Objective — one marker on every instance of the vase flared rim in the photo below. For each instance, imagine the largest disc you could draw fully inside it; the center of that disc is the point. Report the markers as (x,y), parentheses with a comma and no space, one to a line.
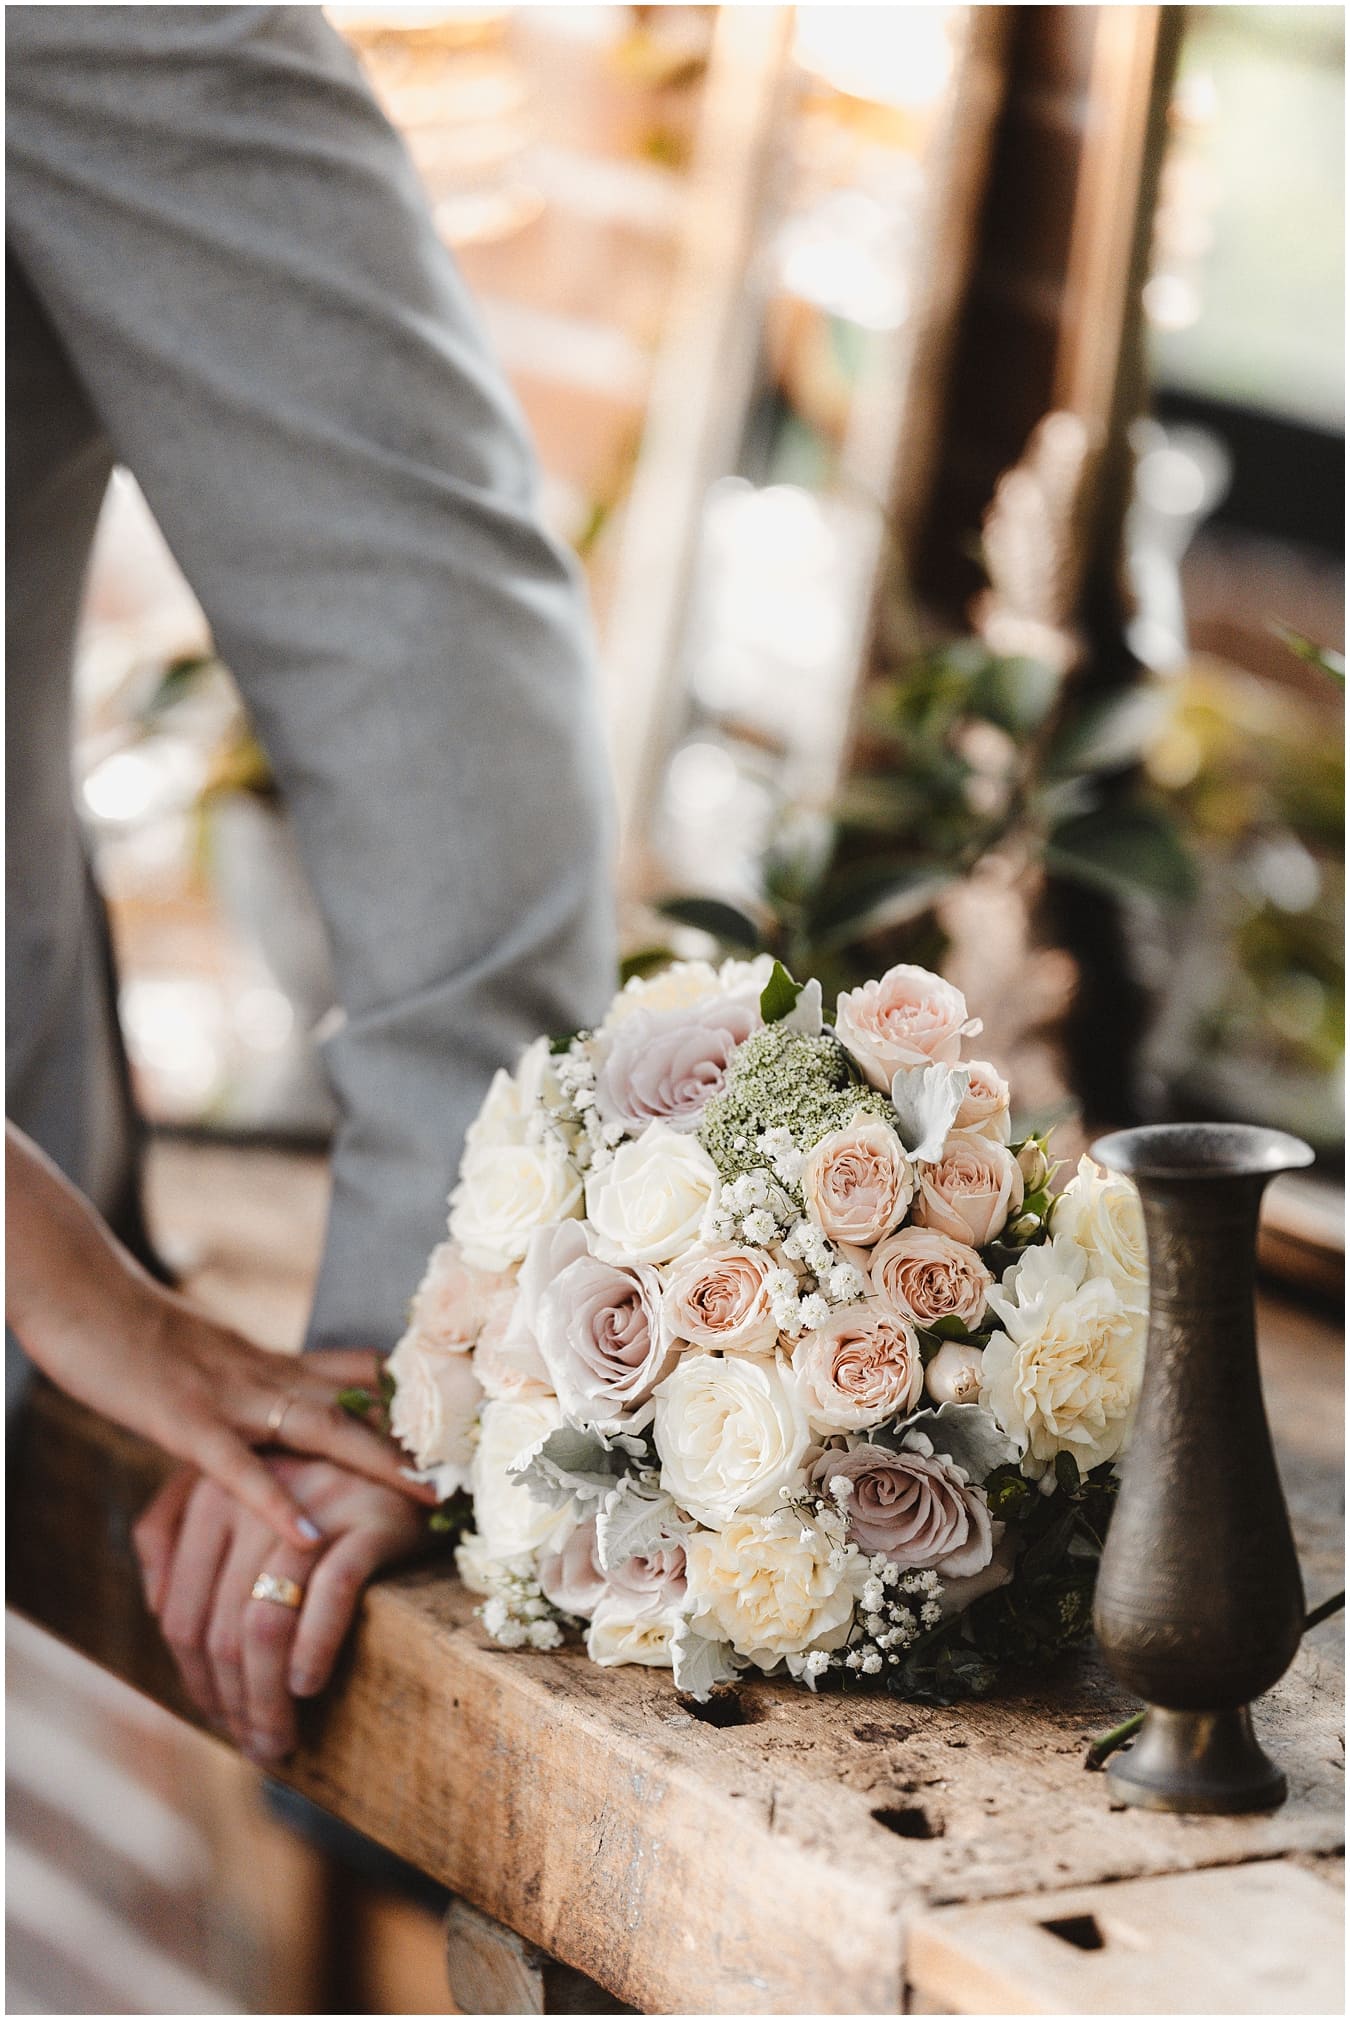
(1201,1150)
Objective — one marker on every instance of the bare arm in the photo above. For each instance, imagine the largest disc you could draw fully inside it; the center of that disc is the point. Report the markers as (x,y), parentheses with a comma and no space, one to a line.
(107,1334)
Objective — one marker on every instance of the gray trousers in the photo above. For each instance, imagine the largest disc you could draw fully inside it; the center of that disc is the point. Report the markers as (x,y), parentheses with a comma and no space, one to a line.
(223,275)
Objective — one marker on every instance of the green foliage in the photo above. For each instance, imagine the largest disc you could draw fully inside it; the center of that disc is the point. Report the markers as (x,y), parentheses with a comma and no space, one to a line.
(711,915)
(778,997)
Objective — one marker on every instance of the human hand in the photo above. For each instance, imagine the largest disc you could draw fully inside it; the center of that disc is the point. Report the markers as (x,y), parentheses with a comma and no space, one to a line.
(244,1661)
(112,1338)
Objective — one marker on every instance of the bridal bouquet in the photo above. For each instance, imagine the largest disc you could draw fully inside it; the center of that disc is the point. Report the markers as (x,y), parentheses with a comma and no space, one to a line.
(758,1344)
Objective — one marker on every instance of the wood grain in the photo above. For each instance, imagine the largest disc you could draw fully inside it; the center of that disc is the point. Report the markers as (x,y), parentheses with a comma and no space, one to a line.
(774,1866)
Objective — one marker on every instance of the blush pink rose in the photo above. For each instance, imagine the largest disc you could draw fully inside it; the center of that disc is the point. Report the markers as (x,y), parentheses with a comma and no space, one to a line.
(454,1300)
(926,1276)
(570,1577)
(664,1066)
(909,1018)
(718,1298)
(986,1104)
(971,1192)
(912,1506)
(861,1367)
(605,1342)
(857,1182)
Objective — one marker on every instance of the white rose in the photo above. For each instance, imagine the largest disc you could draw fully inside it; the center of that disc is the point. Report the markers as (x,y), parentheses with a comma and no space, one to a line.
(1100,1210)
(730,1433)
(1065,1373)
(621,1632)
(511,1523)
(515,1100)
(679,987)
(507,1190)
(772,1586)
(436,1399)
(647,1204)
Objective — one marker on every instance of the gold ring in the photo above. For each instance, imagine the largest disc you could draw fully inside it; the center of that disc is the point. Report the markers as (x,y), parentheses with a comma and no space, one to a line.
(280,1591)
(276,1416)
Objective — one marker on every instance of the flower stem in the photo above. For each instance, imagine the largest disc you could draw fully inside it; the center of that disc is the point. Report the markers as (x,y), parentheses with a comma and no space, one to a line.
(1107,1743)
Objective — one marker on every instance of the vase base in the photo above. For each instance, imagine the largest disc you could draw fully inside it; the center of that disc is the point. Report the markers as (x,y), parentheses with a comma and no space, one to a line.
(1201,1763)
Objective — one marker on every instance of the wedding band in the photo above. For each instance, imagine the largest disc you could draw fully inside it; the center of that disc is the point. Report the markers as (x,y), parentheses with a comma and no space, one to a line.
(276,1416)
(280,1591)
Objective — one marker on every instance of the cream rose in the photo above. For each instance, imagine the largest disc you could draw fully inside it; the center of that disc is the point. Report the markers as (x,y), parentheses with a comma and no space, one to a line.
(956,1373)
(436,1401)
(719,1298)
(647,1204)
(907,1018)
(511,1523)
(620,1633)
(1065,1373)
(857,1182)
(971,1192)
(926,1276)
(604,1341)
(912,1506)
(505,1191)
(730,1433)
(771,1585)
(862,1366)
(664,1066)
(985,1106)
(1100,1210)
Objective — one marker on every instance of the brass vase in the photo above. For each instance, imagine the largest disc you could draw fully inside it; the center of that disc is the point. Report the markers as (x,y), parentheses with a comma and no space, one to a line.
(1199,1603)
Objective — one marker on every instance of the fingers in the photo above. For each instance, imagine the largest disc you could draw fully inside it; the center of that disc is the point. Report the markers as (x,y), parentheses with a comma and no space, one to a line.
(327,1432)
(157,1530)
(189,1590)
(228,1460)
(345,1367)
(269,1631)
(331,1601)
(250,1548)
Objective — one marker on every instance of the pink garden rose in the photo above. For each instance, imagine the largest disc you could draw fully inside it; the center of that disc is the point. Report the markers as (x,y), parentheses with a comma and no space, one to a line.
(912,1506)
(984,1109)
(604,1341)
(926,1276)
(971,1192)
(454,1300)
(909,1018)
(437,1396)
(663,1066)
(857,1182)
(862,1366)
(718,1298)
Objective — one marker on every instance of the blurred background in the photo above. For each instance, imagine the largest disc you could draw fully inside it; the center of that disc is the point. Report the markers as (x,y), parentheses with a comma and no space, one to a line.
(946,405)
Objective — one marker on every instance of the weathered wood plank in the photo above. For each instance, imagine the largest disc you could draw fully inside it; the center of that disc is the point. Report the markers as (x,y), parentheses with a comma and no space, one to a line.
(771,1866)
(1264,1938)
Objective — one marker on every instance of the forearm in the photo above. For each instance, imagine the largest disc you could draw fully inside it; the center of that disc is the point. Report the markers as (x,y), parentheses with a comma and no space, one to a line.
(67,1278)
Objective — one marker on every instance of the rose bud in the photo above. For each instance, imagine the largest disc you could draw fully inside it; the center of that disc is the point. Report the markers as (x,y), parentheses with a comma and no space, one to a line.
(953,1375)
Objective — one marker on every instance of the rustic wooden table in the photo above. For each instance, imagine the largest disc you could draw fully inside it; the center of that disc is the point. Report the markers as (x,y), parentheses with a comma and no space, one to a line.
(833,1855)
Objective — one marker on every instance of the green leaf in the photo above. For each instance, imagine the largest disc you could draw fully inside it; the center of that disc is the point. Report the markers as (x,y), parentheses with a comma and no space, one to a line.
(1016,694)
(1009,1492)
(645,961)
(562,1043)
(1108,733)
(1309,650)
(1129,851)
(713,915)
(875,897)
(1066,1472)
(441,1522)
(778,997)
(356,1402)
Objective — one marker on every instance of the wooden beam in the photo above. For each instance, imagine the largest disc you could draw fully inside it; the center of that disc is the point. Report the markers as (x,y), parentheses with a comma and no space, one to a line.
(773,1865)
